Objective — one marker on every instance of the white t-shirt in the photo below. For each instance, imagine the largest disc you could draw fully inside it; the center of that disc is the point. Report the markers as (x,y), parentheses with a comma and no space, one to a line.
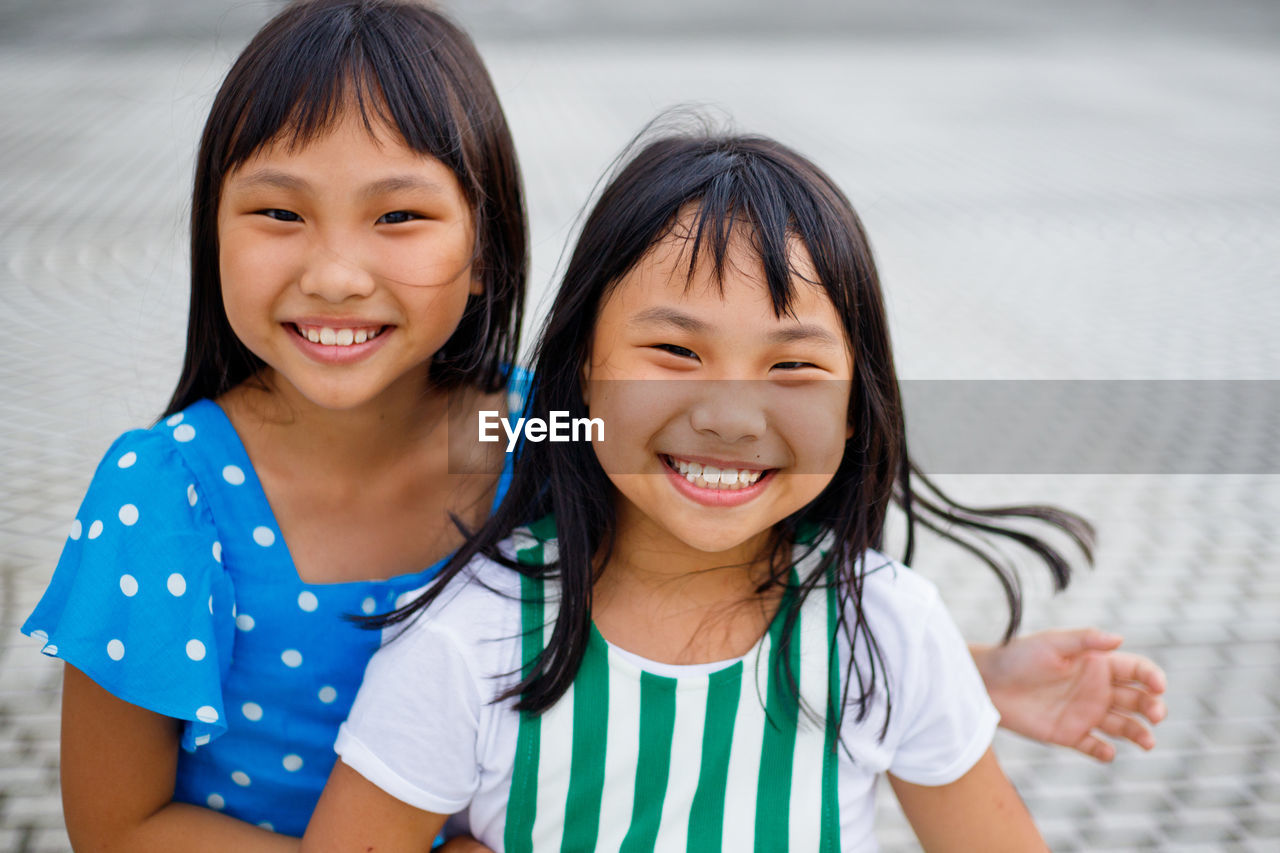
(424,727)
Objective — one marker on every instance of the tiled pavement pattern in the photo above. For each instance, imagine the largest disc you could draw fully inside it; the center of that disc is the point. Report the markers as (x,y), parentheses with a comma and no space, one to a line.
(1093,197)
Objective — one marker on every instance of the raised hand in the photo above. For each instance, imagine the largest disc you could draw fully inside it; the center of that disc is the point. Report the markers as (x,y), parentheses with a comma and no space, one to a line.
(1070,687)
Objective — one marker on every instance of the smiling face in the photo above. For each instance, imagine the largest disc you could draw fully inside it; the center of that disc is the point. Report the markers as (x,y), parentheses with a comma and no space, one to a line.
(721,418)
(345,264)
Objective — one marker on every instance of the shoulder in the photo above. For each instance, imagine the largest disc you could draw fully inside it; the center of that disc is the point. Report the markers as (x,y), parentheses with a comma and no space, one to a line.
(476,612)
(144,488)
(894,594)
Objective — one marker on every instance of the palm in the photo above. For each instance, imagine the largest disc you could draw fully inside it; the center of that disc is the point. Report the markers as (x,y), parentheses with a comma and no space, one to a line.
(1066,687)
(1064,699)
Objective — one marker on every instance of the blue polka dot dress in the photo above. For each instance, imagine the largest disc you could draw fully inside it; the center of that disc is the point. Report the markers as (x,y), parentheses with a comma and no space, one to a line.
(176,592)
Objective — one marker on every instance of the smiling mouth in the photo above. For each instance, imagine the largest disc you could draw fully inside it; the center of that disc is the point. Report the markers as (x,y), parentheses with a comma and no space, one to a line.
(714,478)
(330,337)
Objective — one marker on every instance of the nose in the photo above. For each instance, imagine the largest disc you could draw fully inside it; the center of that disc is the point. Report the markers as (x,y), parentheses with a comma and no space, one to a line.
(732,411)
(335,274)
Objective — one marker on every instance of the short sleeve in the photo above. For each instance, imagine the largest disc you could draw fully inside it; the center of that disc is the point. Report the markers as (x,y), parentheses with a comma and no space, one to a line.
(139,601)
(413,730)
(948,720)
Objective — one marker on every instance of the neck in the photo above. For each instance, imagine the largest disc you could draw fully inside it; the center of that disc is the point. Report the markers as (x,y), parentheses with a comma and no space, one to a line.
(377,433)
(648,560)
(669,602)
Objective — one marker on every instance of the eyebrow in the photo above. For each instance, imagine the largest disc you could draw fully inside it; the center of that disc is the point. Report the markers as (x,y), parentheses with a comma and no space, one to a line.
(799,332)
(285,181)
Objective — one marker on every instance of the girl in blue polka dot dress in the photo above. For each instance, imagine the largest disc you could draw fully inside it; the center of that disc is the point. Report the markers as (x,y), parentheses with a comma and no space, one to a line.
(358,268)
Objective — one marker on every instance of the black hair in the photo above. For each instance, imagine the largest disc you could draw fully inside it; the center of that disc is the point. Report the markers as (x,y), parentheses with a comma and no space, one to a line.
(401,64)
(722,183)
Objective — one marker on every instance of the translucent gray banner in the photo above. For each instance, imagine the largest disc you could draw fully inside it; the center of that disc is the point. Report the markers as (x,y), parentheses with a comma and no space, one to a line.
(953,426)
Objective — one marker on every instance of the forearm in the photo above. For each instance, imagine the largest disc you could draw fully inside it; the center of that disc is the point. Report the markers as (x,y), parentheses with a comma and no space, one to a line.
(184,827)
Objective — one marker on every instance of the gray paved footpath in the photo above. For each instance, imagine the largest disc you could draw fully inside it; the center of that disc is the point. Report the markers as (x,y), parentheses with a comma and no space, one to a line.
(1083,202)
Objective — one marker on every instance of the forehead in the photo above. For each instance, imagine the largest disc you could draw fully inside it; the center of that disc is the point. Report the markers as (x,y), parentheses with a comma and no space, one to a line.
(678,268)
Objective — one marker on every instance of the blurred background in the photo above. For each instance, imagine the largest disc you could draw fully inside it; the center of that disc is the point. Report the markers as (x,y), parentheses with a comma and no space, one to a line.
(1084,191)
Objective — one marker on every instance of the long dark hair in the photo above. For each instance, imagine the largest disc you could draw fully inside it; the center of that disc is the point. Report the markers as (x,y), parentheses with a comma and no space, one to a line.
(733,182)
(403,65)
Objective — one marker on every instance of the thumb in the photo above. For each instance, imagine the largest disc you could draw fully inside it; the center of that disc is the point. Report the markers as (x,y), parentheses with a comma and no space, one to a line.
(1078,640)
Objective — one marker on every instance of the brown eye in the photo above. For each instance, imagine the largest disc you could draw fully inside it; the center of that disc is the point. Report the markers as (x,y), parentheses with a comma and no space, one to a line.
(396,217)
(280,214)
(681,352)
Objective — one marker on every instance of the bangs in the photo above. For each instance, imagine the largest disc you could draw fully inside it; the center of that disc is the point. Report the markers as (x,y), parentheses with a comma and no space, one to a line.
(362,59)
(746,193)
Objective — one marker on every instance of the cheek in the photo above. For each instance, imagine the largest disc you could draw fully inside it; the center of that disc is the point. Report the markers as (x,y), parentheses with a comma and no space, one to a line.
(636,413)
(814,421)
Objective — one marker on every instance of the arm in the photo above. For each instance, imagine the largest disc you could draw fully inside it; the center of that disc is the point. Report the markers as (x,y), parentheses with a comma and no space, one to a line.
(979,811)
(1062,687)
(118,765)
(355,814)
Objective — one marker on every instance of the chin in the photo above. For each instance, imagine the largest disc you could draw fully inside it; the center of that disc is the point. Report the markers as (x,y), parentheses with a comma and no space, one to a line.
(715,541)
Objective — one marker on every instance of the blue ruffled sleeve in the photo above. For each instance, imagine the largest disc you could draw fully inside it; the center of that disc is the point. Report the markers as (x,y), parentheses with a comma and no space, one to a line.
(139,601)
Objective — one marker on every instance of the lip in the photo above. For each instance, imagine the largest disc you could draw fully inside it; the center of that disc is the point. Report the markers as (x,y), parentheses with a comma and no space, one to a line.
(716,497)
(338,355)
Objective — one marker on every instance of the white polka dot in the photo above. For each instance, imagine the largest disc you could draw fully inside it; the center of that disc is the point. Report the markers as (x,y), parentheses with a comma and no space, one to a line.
(207,714)
(51,650)
(115,650)
(233,475)
(217,551)
(195,649)
(215,801)
(176,583)
(192,497)
(211,605)
(292,763)
(175,420)
(40,636)
(76,528)
(404,598)
(366,606)
(328,694)
(240,778)
(244,622)
(128,515)
(292,658)
(268,826)
(129,585)
(95,530)
(252,711)
(127,460)
(307,601)
(201,740)
(184,432)
(264,536)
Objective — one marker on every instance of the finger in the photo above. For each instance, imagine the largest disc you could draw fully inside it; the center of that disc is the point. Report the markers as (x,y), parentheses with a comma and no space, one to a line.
(1077,640)
(1137,701)
(1139,669)
(1122,726)
(1096,748)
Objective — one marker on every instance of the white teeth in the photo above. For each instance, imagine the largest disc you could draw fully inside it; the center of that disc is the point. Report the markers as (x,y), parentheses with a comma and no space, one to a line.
(344,337)
(711,477)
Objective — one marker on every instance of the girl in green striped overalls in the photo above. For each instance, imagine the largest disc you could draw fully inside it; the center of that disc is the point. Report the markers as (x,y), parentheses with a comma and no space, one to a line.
(682,636)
